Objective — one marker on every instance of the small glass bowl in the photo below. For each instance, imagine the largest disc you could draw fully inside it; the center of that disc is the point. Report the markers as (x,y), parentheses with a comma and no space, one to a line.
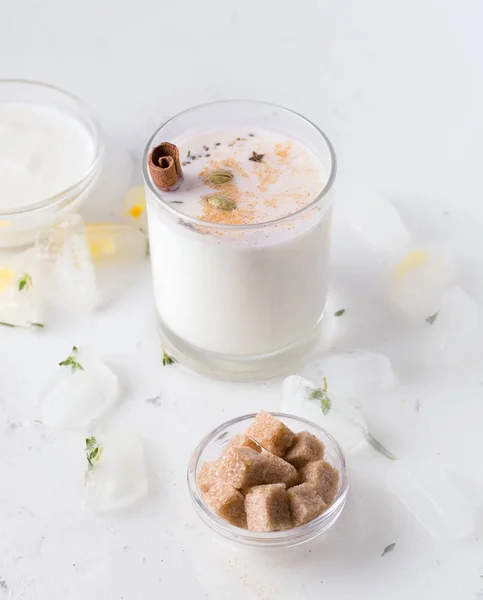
(19,227)
(211,448)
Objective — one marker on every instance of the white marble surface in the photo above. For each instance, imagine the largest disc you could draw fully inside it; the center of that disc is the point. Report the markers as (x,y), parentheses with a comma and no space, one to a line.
(398,88)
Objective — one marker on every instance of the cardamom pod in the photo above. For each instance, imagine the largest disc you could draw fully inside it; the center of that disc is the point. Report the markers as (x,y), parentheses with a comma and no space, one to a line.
(221,202)
(219,177)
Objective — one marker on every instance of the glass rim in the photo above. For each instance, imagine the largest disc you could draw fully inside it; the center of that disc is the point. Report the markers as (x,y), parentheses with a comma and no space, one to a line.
(294,535)
(96,138)
(158,194)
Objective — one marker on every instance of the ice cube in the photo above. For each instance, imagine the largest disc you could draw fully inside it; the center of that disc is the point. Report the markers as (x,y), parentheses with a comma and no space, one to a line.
(352,374)
(114,179)
(116,250)
(332,327)
(433,498)
(456,332)
(118,478)
(134,210)
(469,277)
(419,278)
(110,241)
(296,393)
(20,291)
(374,219)
(64,253)
(301,397)
(80,391)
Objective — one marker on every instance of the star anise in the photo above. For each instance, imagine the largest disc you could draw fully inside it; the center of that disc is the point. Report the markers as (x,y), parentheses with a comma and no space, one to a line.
(256,157)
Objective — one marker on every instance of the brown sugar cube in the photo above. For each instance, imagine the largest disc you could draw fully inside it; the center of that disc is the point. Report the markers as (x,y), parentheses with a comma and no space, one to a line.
(228,503)
(267,508)
(271,433)
(207,475)
(323,477)
(306,448)
(279,470)
(242,467)
(243,440)
(305,504)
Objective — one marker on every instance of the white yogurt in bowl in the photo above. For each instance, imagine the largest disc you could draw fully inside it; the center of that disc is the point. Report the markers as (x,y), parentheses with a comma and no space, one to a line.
(42,151)
(50,156)
(241,292)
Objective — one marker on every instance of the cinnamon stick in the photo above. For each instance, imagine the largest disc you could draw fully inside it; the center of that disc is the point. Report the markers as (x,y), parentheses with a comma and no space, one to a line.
(165,166)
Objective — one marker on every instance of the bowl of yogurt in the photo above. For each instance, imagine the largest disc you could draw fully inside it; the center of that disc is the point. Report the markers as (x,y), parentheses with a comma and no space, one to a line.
(50,157)
(240,249)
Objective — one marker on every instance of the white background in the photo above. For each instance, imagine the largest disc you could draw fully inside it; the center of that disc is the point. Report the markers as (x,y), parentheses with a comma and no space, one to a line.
(398,87)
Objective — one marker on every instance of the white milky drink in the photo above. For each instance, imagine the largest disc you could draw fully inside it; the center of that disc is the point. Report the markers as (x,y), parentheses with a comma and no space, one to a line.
(274,175)
(245,276)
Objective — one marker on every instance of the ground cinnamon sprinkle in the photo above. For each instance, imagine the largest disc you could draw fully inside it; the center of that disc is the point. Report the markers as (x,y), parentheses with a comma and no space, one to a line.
(239,216)
(283,150)
(299,197)
(229,190)
(261,188)
(266,171)
(272,202)
(246,203)
(267,175)
(235,166)
(230,164)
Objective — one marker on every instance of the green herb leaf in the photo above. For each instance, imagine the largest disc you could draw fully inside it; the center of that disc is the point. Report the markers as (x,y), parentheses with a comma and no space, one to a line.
(388,549)
(90,441)
(167,359)
(24,282)
(376,444)
(93,455)
(321,395)
(325,405)
(432,318)
(316,394)
(71,362)
(12,326)
(339,313)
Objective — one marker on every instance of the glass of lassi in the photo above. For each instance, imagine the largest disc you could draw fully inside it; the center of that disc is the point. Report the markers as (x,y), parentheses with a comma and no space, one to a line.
(240,248)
